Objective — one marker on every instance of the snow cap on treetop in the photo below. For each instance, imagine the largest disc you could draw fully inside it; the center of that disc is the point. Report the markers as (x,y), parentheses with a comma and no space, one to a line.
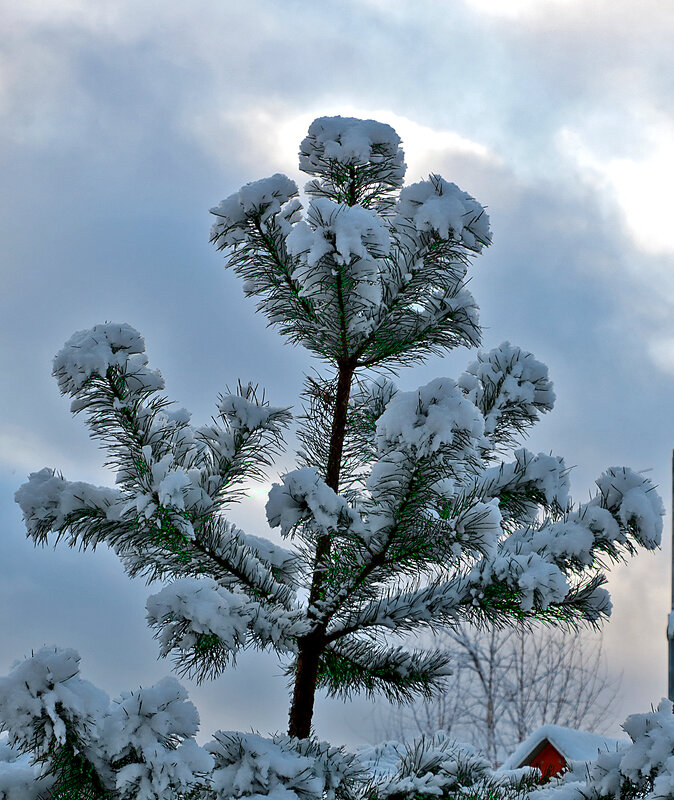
(352,142)
(438,205)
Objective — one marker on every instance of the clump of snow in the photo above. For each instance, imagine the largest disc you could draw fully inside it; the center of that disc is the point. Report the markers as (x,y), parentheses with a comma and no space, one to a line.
(245,415)
(478,528)
(155,727)
(188,608)
(258,199)
(600,521)
(43,696)
(351,142)
(574,540)
(505,379)
(634,500)
(546,474)
(149,731)
(437,415)
(440,206)
(48,499)
(302,495)
(347,232)
(19,778)
(93,351)
(565,541)
(539,581)
(347,241)
(280,768)
(192,606)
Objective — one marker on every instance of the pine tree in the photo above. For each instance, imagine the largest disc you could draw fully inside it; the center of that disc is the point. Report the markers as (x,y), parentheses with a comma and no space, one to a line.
(407,510)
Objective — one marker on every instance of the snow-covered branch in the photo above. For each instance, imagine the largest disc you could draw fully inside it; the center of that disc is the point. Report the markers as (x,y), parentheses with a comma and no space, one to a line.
(511,388)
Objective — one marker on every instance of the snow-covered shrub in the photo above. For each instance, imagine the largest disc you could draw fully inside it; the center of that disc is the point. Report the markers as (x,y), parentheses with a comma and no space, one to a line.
(64,734)
(248,765)
(436,767)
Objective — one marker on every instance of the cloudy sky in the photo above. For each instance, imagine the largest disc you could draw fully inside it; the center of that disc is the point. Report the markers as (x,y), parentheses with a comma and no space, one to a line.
(122,122)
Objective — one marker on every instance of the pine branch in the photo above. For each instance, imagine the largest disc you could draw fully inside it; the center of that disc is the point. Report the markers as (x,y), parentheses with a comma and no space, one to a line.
(356,665)
(75,777)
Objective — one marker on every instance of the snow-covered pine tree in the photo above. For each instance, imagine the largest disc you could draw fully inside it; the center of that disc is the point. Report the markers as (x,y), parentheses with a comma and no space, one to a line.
(401,514)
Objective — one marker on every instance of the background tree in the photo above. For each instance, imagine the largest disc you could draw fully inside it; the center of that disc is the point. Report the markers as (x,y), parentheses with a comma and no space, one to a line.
(401,515)
(507,682)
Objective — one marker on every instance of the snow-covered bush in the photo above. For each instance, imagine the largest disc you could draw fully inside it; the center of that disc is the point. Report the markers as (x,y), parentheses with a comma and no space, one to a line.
(65,735)
(283,768)
(432,767)
(407,510)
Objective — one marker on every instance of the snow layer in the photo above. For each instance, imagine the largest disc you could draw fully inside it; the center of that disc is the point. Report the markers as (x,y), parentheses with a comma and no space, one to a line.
(256,200)
(351,142)
(43,698)
(440,206)
(281,768)
(435,766)
(303,495)
(93,351)
(642,768)
(436,415)
(573,744)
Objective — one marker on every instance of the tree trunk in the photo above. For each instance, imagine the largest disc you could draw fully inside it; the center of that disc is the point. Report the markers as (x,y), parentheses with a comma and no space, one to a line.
(302,707)
(311,646)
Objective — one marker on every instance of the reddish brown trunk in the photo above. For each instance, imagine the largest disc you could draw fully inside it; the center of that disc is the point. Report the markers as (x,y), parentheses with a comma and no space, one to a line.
(339,425)
(311,647)
(302,708)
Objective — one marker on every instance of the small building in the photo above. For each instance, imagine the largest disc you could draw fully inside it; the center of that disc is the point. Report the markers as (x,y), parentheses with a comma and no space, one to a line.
(552,747)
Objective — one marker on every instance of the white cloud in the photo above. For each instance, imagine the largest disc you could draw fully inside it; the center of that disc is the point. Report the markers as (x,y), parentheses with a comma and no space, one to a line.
(640,185)
(661,352)
(513,9)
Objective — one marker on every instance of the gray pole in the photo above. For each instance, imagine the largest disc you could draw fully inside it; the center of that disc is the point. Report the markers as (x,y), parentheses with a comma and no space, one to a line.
(670,619)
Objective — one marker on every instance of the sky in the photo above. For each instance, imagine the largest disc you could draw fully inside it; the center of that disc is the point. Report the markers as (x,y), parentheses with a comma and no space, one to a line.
(122,122)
